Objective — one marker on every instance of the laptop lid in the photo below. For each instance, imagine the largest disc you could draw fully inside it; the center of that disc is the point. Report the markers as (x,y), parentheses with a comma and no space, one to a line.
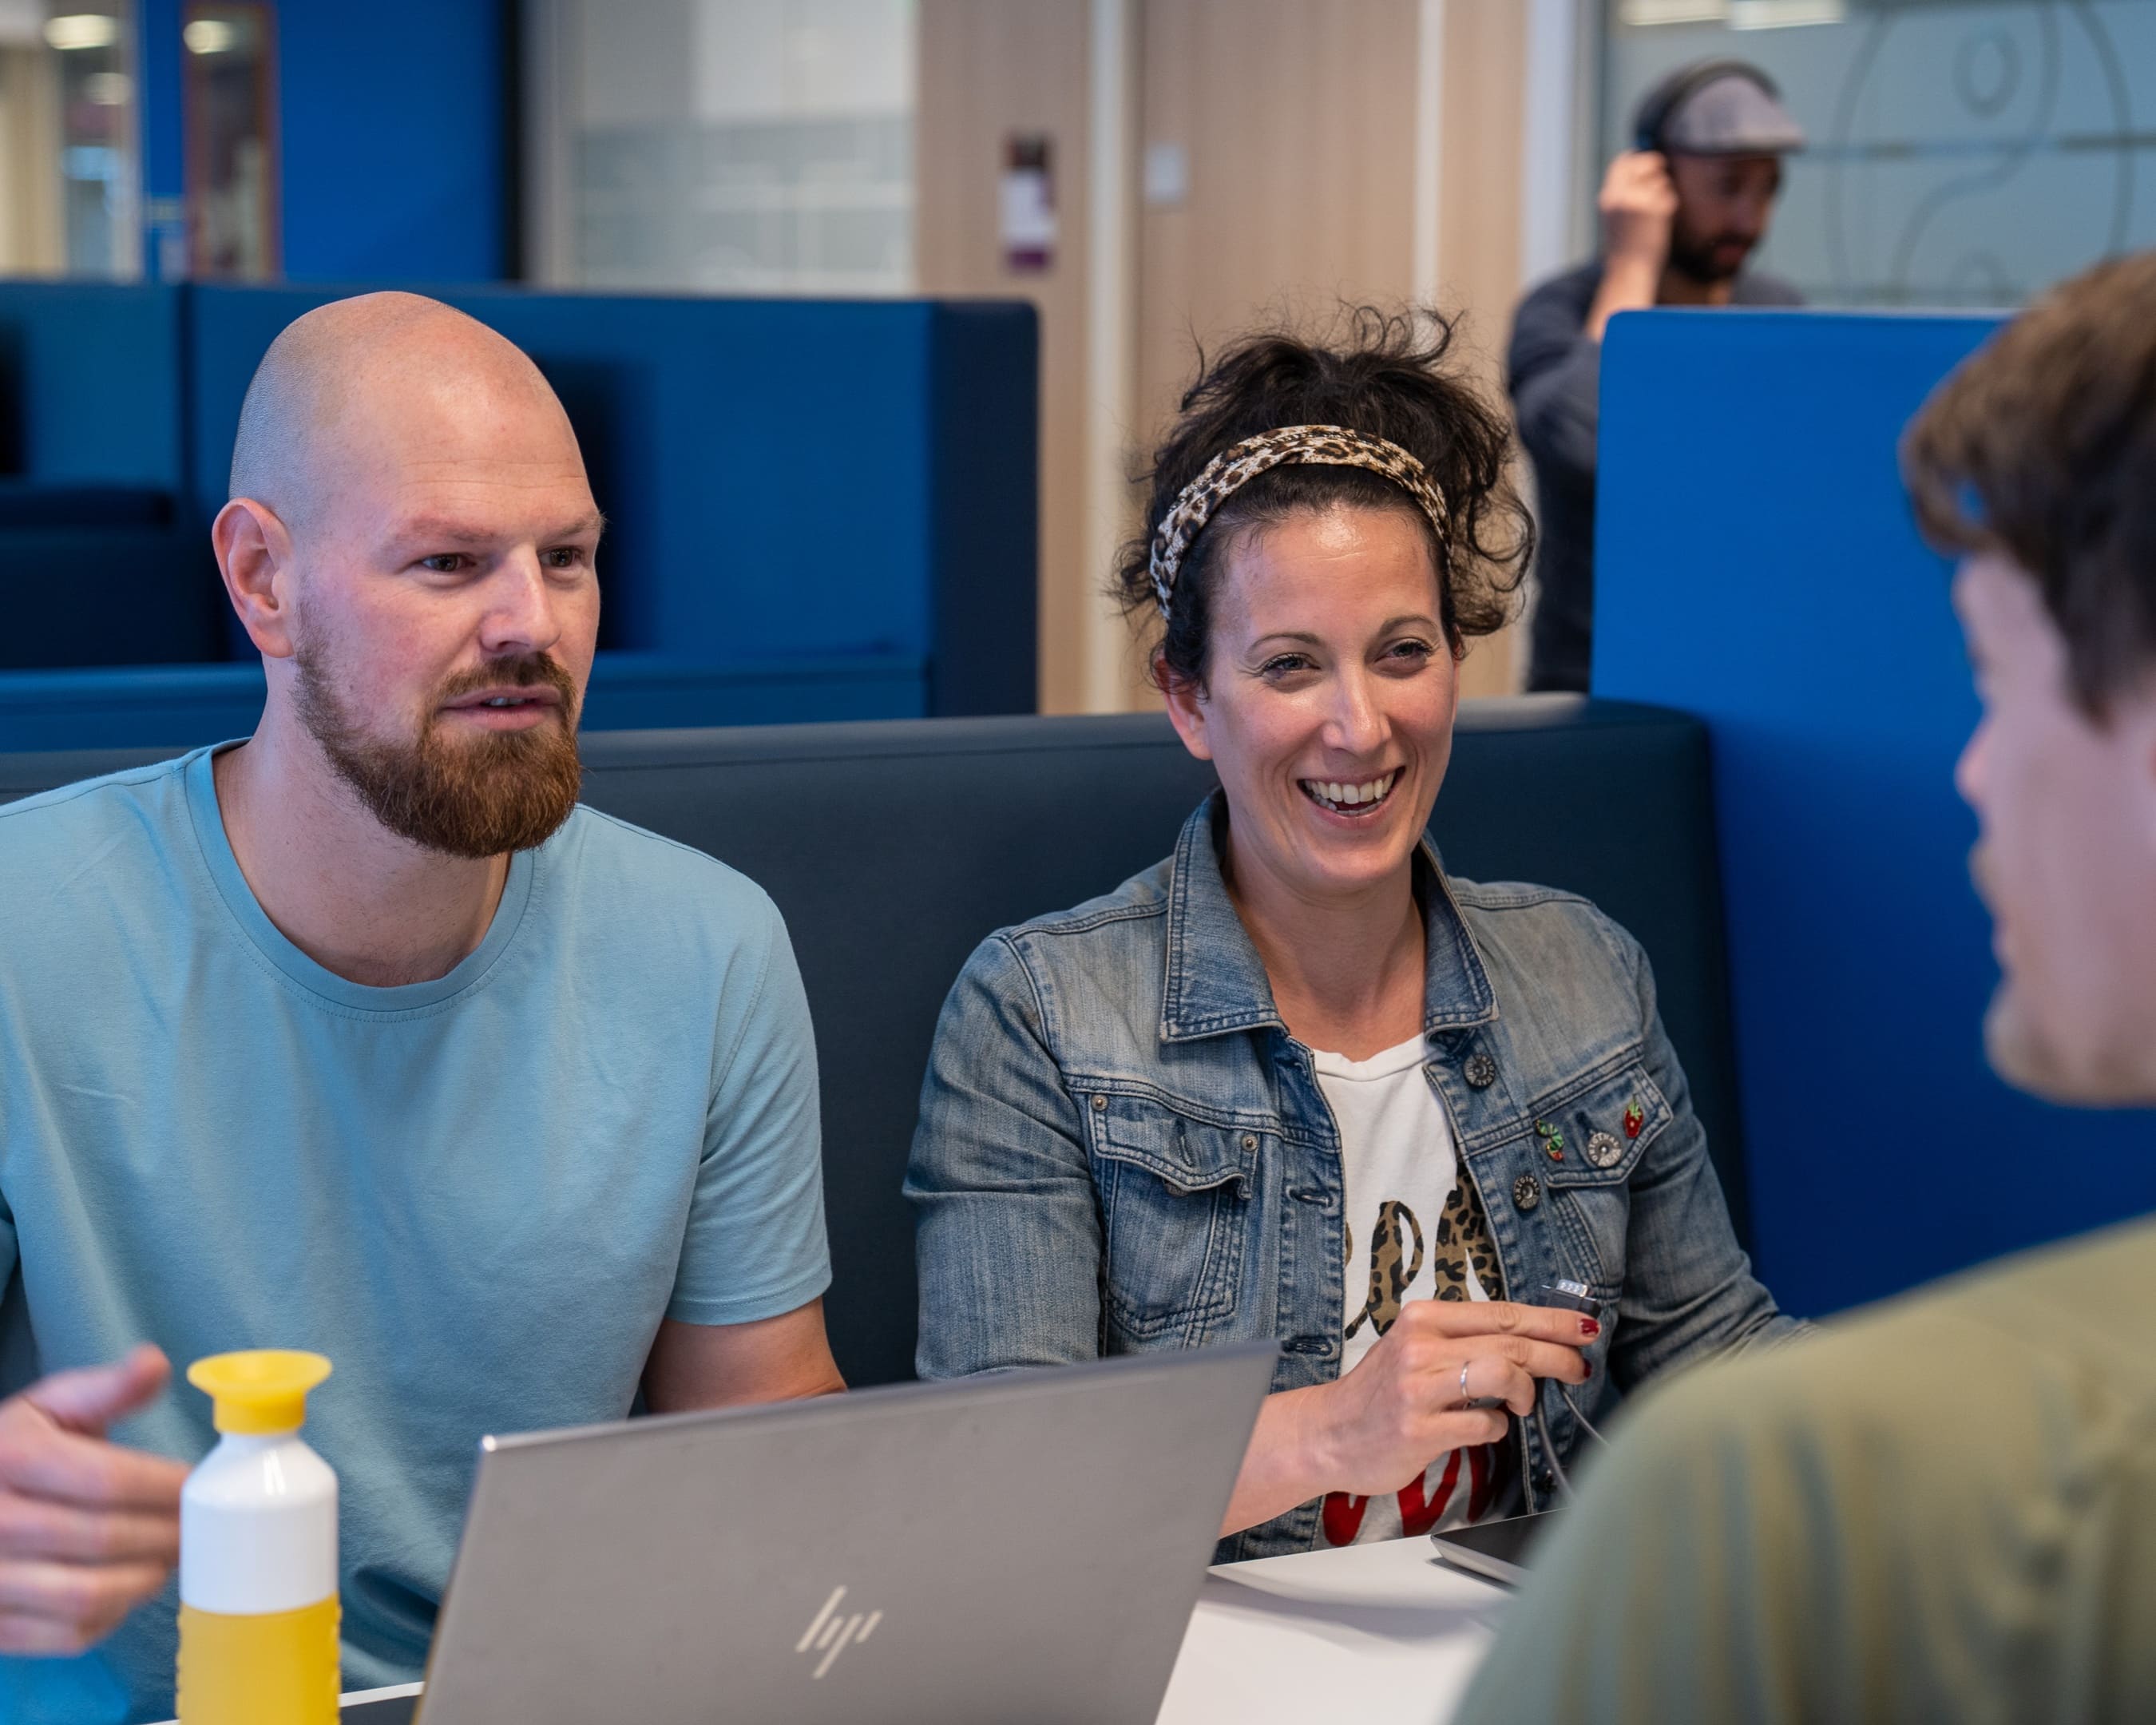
(1025,1545)
(1496,1551)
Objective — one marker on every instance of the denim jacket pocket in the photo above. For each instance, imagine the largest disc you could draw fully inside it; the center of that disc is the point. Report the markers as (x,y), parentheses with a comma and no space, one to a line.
(1603,1128)
(1174,1192)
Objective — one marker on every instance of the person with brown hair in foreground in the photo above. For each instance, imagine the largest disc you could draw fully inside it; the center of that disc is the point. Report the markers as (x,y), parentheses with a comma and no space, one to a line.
(1946,1509)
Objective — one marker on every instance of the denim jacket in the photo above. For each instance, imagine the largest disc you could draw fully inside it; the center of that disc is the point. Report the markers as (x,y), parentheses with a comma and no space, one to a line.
(1120,1147)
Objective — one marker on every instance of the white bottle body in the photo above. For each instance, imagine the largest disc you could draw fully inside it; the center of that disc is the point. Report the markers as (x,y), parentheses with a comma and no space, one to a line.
(258,1527)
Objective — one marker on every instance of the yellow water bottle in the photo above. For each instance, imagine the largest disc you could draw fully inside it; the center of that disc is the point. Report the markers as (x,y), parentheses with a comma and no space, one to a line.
(259,1553)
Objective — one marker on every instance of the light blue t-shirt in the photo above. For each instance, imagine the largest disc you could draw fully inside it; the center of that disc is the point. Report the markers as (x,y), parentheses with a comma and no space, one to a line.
(478,1196)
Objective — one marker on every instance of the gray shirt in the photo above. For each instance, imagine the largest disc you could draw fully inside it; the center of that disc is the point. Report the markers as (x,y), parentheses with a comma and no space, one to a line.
(1554,372)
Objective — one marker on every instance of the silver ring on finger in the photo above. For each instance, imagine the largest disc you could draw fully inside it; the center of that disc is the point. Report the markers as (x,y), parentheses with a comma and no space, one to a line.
(1464,1397)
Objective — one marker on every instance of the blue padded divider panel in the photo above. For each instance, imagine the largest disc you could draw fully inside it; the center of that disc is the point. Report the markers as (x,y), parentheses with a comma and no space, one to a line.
(150,707)
(1756,564)
(90,383)
(181,706)
(984,425)
(767,464)
(639,691)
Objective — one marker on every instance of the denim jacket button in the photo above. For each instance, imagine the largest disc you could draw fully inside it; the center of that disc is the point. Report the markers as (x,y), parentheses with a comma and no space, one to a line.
(1526,1192)
(1100,1104)
(1481,1071)
(1249,1141)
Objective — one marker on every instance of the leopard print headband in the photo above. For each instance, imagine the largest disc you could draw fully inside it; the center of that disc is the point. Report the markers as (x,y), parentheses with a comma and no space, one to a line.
(1292,445)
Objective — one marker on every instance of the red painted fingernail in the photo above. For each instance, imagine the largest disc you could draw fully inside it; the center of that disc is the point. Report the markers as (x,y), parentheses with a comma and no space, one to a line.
(1589,1327)
(1590,1364)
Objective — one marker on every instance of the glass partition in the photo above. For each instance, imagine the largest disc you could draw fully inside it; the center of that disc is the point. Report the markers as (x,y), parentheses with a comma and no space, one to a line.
(1967,153)
(70,160)
(751,146)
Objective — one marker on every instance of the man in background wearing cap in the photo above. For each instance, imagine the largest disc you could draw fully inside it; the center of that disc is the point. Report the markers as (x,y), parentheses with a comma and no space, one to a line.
(1681,213)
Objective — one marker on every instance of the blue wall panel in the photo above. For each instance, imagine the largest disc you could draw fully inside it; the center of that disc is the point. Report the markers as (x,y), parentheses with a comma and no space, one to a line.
(391,118)
(1756,564)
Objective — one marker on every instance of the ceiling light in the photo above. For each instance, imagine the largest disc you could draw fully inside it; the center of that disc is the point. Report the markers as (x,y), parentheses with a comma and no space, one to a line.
(210,35)
(82,30)
(1673,12)
(1782,14)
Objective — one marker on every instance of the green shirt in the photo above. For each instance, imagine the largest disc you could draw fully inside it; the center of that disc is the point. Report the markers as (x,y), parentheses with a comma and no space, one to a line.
(1944,1508)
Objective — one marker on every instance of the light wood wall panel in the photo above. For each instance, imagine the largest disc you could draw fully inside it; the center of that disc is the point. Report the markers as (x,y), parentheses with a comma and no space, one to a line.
(1478,231)
(1296,119)
(989,68)
(32,241)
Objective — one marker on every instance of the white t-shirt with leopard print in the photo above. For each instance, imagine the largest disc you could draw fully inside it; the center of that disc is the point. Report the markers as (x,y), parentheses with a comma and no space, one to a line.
(1406,1216)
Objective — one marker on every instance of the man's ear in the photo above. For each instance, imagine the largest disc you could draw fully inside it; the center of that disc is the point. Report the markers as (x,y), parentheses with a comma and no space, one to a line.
(254,557)
(1186,707)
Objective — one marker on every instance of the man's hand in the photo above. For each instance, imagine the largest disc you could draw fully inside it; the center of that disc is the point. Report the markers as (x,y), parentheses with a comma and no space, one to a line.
(1639,206)
(1639,202)
(89,1530)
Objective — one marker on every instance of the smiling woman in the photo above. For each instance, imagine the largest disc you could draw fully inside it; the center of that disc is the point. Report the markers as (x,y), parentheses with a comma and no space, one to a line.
(1296,1081)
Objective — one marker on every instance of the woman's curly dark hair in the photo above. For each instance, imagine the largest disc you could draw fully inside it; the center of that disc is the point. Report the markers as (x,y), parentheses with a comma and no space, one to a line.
(1390,376)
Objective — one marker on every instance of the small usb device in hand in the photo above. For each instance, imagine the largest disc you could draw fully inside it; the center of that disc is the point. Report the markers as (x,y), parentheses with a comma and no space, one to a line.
(1573,1296)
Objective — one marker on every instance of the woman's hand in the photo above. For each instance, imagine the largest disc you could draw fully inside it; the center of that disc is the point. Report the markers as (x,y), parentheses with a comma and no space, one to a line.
(1402,1406)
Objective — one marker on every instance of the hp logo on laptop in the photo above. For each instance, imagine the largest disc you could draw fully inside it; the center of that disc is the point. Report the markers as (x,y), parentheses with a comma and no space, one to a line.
(831,1633)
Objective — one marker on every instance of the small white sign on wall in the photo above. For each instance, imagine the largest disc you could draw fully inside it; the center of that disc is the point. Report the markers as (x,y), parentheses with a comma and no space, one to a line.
(1167,176)
(1026,213)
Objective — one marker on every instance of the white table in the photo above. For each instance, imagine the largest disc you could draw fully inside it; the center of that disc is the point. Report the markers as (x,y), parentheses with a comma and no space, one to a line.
(1381,1631)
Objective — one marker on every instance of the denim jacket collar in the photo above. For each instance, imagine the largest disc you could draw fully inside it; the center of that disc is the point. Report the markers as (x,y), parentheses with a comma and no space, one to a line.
(1216,982)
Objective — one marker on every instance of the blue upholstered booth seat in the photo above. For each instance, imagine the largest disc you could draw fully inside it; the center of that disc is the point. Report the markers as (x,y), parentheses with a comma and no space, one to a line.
(179,707)
(893,849)
(40,505)
(97,563)
(90,384)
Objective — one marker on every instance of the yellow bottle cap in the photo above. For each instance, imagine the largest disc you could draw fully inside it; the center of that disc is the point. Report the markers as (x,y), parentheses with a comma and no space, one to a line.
(260,1392)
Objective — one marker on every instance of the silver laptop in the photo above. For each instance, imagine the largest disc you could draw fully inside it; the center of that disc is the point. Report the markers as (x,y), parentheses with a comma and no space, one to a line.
(1027,1545)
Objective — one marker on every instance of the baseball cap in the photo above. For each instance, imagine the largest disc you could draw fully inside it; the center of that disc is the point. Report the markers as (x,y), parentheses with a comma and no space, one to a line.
(1718,108)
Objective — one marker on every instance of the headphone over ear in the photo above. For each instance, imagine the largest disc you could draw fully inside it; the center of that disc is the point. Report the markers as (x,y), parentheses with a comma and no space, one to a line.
(1672,92)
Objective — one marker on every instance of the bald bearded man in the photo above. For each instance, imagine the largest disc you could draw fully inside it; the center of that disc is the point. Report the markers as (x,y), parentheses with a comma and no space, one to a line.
(363,1035)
